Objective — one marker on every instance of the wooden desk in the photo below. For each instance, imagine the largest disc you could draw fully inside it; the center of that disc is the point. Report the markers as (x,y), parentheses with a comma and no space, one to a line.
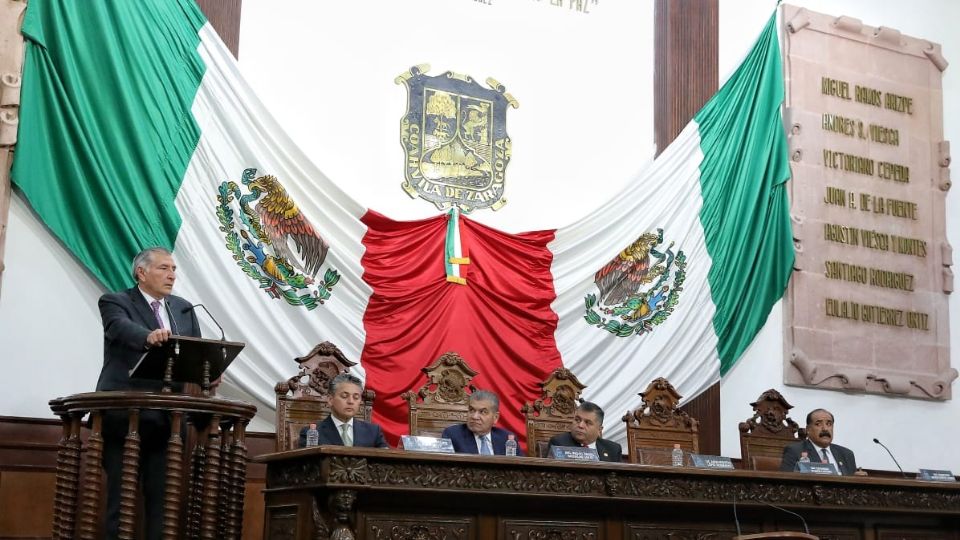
(336,492)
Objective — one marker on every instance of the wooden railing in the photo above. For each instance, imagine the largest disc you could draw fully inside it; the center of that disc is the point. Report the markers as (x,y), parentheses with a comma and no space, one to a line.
(205,473)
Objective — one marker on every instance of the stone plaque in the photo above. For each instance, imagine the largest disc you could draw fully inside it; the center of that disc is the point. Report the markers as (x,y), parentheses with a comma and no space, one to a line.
(866,309)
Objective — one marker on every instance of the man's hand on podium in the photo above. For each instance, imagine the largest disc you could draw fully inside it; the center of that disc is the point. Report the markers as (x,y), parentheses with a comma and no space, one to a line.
(158,337)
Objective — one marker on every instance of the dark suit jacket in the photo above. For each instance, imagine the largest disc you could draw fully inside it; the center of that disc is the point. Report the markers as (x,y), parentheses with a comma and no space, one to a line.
(606,450)
(364,434)
(465,443)
(127,320)
(846,462)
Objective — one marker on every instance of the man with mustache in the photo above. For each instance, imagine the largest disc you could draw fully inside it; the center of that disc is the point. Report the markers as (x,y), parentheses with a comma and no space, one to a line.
(818,446)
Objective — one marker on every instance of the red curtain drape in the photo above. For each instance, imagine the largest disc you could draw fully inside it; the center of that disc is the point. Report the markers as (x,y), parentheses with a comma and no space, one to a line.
(500,322)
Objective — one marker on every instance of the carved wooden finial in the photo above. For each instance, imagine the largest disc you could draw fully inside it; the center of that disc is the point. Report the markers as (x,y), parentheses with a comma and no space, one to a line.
(770,416)
(559,395)
(317,368)
(448,381)
(659,407)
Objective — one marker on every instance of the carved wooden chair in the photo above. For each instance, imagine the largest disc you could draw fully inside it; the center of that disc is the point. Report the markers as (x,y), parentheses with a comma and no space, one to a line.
(442,401)
(658,424)
(765,434)
(305,397)
(553,411)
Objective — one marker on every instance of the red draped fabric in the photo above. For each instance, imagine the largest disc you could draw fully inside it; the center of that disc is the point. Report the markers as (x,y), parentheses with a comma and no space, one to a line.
(500,322)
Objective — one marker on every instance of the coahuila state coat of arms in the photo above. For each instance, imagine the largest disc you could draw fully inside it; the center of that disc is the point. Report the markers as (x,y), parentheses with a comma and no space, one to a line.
(454,138)
(273,242)
(636,289)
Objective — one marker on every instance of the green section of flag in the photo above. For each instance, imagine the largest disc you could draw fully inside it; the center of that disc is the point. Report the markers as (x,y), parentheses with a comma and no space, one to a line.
(106,131)
(746,214)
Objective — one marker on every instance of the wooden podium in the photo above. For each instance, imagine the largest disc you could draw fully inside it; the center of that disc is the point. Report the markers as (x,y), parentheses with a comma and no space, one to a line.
(206,452)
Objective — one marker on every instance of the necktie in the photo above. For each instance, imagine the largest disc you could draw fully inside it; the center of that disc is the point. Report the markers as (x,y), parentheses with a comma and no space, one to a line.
(346,435)
(485,446)
(156,312)
(826,456)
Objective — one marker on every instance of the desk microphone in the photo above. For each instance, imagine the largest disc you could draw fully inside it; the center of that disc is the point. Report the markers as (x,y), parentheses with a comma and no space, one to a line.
(212,318)
(805,528)
(891,456)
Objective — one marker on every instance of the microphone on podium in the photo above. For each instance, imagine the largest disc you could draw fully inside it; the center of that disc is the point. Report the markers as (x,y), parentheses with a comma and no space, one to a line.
(736,518)
(212,318)
(891,456)
(805,528)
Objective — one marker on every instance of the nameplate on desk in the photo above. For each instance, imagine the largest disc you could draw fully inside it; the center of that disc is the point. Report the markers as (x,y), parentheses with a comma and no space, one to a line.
(712,462)
(934,475)
(574,453)
(427,444)
(816,468)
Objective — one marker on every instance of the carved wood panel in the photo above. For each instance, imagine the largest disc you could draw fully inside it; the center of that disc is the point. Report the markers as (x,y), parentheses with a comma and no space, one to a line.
(914,534)
(517,529)
(387,527)
(282,524)
(827,533)
(684,531)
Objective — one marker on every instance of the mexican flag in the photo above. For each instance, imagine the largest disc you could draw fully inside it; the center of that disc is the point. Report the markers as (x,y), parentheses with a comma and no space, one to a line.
(137,130)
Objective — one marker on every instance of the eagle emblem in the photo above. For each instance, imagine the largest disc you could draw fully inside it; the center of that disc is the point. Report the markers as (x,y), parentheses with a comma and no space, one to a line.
(639,288)
(454,139)
(273,242)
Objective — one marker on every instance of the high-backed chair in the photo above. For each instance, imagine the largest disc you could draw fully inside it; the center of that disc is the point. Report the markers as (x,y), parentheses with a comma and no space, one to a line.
(553,411)
(442,401)
(305,398)
(658,424)
(765,434)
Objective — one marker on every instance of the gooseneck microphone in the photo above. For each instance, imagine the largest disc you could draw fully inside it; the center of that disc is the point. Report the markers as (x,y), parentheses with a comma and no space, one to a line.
(805,528)
(212,318)
(736,518)
(891,456)
(173,320)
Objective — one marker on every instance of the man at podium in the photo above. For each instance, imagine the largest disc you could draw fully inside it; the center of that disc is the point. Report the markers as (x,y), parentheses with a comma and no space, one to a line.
(134,320)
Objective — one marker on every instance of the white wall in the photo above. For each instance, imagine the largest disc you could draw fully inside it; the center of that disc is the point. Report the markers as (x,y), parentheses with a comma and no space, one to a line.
(919,433)
(584,83)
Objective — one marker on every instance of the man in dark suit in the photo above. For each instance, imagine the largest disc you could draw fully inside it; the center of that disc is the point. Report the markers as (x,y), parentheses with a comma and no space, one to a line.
(818,446)
(586,430)
(135,320)
(341,428)
(479,435)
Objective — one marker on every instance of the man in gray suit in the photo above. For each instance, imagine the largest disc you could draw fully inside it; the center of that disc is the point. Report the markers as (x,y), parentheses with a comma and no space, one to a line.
(135,320)
(818,446)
